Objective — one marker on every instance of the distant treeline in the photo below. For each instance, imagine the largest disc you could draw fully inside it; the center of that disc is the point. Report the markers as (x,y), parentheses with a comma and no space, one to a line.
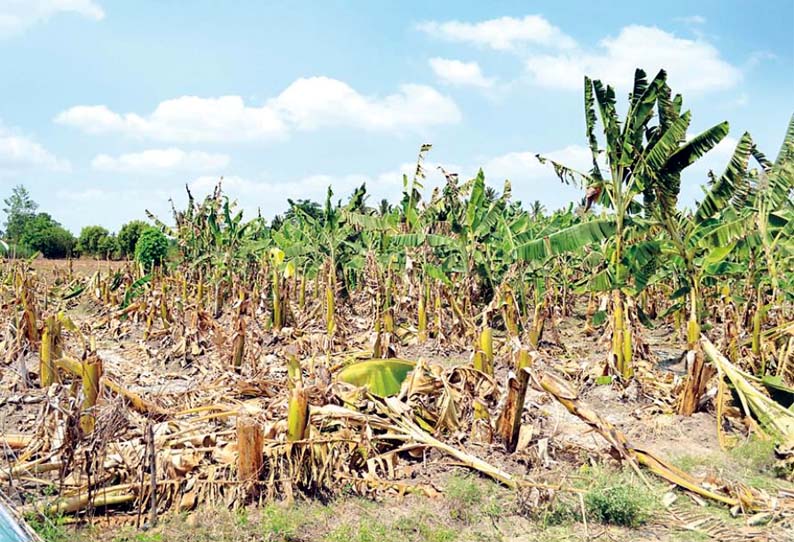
(27,232)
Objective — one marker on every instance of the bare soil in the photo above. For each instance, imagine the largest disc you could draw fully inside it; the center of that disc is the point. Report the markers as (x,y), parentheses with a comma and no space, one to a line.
(496,513)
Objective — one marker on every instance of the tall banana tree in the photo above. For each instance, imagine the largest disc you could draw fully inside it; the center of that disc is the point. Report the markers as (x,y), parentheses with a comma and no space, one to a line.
(644,160)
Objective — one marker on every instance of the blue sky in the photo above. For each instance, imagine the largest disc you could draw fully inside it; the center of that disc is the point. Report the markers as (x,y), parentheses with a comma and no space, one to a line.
(108,108)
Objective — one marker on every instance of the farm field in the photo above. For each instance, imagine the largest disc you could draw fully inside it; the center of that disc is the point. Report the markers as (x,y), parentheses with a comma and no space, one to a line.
(455,368)
(432,497)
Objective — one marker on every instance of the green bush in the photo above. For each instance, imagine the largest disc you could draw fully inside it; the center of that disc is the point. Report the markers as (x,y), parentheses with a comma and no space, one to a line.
(610,496)
(129,235)
(49,528)
(92,240)
(109,248)
(45,235)
(620,503)
(151,248)
(16,252)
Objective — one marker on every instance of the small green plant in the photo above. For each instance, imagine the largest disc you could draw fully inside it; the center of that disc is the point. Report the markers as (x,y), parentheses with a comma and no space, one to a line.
(755,454)
(616,499)
(280,523)
(151,248)
(609,496)
(464,495)
(241,517)
(367,530)
(619,505)
(563,511)
(49,528)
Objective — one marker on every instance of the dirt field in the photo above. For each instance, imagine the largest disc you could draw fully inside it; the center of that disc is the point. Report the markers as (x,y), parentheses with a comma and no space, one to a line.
(84,266)
(563,461)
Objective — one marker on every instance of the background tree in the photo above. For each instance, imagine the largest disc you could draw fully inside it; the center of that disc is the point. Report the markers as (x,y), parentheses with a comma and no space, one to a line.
(92,240)
(304,206)
(47,236)
(151,248)
(537,210)
(128,237)
(19,209)
(108,248)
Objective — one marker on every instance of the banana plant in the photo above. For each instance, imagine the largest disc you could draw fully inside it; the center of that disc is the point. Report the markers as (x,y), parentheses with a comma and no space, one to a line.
(644,161)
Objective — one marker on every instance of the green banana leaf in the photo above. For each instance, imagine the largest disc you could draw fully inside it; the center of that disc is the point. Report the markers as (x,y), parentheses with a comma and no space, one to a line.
(382,377)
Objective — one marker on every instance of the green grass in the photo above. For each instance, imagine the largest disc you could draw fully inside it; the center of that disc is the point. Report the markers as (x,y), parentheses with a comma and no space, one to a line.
(424,528)
(365,530)
(618,504)
(610,496)
(470,498)
(281,523)
(755,454)
(50,528)
(752,463)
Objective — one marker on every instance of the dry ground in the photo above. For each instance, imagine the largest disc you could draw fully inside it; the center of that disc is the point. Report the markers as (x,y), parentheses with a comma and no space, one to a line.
(83,266)
(469,507)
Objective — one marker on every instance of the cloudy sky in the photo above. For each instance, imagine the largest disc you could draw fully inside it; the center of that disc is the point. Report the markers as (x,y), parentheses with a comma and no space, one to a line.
(110,107)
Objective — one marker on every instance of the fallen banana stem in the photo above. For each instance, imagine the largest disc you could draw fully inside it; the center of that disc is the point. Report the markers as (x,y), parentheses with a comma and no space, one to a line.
(774,419)
(107,496)
(28,468)
(419,435)
(136,401)
(15,442)
(634,456)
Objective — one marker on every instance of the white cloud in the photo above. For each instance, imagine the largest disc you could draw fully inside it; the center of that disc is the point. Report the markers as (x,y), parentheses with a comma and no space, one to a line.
(692,19)
(187,119)
(310,103)
(19,153)
(456,72)
(16,16)
(504,33)
(693,65)
(307,104)
(160,161)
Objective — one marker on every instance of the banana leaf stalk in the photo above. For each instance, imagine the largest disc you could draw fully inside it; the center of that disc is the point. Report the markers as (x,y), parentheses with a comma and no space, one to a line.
(92,372)
(510,313)
(509,422)
(250,446)
(775,420)
(238,345)
(699,373)
(422,327)
(330,299)
(418,435)
(486,359)
(621,337)
(538,320)
(49,351)
(298,415)
(437,312)
(107,496)
(136,401)
(388,298)
(634,456)
(276,287)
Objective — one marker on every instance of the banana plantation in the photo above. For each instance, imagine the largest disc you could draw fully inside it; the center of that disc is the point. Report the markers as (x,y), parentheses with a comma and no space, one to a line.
(370,349)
